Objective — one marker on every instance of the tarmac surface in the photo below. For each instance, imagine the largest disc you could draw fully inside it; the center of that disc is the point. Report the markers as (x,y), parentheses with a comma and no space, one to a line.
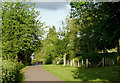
(37,73)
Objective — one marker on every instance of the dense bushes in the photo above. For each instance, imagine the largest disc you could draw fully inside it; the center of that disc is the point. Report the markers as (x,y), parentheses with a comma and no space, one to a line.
(11,71)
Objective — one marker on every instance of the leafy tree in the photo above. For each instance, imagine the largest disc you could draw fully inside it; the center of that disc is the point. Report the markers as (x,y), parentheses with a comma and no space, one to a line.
(98,24)
(48,50)
(20,30)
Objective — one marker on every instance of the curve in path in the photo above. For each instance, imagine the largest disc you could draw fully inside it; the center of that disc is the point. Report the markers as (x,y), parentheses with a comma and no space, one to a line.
(37,73)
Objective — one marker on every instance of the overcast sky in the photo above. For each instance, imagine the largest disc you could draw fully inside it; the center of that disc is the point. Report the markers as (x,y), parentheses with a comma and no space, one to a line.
(53,13)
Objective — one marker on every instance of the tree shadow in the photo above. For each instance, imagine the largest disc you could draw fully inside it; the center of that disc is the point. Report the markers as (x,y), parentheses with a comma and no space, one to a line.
(106,75)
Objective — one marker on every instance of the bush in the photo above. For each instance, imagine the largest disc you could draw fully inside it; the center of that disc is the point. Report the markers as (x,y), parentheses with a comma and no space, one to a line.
(11,71)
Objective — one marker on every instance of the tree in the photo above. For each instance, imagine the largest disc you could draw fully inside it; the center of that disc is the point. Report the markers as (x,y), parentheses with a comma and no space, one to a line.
(20,30)
(96,23)
(48,49)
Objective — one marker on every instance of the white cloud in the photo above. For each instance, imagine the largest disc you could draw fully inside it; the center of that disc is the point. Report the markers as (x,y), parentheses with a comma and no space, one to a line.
(51,5)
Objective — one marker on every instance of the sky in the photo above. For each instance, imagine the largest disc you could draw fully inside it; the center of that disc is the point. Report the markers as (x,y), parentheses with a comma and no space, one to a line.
(53,13)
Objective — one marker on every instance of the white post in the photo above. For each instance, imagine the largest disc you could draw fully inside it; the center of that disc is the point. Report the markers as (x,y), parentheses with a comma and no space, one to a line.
(57,61)
(64,59)
(71,63)
(82,62)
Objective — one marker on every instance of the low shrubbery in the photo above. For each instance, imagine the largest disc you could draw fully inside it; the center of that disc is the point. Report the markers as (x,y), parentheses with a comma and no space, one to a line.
(11,71)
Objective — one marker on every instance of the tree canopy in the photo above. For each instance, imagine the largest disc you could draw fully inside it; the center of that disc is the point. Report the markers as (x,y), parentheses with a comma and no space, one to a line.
(20,30)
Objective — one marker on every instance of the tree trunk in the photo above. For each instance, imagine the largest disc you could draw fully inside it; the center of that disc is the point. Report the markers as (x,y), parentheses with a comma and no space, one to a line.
(44,62)
(64,59)
(118,52)
(52,61)
(26,60)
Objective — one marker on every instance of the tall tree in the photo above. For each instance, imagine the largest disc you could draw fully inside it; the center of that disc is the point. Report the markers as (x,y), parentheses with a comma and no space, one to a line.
(20,30)
(96,23)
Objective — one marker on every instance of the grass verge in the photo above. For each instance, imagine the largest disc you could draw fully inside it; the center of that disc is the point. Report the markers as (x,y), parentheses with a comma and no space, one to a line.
(68,73)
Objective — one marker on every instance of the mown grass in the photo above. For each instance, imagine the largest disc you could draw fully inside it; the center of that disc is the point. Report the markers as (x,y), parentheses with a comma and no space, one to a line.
(106,74)
(64,73)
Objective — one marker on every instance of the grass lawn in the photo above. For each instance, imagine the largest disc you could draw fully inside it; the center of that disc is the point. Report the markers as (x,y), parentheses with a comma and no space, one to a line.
(68,73)
(64,73)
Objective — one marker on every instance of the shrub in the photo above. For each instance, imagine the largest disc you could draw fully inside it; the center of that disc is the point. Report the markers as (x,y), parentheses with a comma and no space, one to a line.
(10,71)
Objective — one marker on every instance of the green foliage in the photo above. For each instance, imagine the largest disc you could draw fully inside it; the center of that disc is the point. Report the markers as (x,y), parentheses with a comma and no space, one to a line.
(49,59)
(11,71)
(20,31)
(49,43)
(110,56)
(93,57)
(97,24)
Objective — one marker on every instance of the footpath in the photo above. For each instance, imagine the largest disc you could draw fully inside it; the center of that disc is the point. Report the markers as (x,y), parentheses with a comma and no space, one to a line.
(37,73)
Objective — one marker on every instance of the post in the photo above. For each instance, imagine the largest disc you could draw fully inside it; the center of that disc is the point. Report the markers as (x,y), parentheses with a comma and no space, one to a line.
(86,63)
(71,62)
(103,62)
(57,61)
(68,62)
(82,62)
(64,59)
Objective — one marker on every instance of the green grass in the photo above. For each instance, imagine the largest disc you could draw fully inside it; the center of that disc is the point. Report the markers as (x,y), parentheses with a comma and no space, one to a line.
(22,72)
(106,74)
(64,73)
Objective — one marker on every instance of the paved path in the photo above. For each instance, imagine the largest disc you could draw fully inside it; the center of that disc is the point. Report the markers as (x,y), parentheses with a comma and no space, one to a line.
(37,73)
